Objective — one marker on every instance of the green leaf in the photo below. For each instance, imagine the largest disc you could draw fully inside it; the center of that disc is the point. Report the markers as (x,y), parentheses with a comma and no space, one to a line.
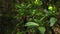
(31,24)
(42,29)
(18,32)
(43,18)
(52,21)
(18,6)
(33,12)
(28,6)
(22,5)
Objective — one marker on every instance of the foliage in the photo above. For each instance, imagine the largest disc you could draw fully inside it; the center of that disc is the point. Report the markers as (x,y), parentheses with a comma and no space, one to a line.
(38,15)
(33,16)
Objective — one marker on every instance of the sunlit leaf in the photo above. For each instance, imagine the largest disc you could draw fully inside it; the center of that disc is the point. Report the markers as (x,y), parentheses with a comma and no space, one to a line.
(50,7)
(52,21)
(31,24)
(36,1)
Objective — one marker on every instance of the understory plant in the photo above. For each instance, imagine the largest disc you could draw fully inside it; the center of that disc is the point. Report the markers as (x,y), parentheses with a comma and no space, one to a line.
(38,18)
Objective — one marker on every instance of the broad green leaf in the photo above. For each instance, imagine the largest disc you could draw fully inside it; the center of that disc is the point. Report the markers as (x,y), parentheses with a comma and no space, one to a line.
(52,21)
(31,24)
(42,29)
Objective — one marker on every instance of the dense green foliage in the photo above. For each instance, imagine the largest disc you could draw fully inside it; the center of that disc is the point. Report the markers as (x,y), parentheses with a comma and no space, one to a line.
(35,12)
(30,17)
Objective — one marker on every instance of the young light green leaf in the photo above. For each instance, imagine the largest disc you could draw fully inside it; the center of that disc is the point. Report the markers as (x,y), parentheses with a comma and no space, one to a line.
(52,21)
(50,7)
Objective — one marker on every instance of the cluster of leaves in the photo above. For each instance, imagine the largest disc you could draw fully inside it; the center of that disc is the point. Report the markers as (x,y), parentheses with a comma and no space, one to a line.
(37,17)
